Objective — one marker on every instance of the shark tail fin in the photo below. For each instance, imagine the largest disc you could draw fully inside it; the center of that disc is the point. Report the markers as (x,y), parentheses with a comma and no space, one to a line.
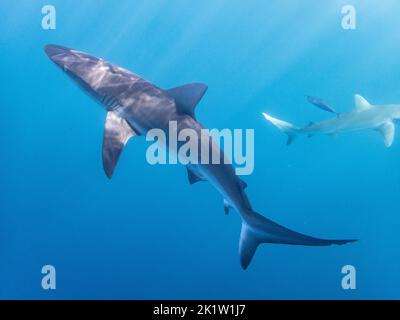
(256,229)
(288,128)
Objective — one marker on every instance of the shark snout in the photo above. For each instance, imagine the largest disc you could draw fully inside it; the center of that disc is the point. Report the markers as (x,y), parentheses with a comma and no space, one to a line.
(65,58)
(58,54)
(84,69)
(71,61)
(53,50)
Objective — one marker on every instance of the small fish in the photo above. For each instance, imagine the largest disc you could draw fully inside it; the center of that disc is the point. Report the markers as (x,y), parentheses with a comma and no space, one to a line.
(321,104)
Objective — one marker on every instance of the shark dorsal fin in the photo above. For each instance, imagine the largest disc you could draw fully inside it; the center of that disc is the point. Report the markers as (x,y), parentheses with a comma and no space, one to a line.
(117,132)
(187,96)
(361,103)
(387,130)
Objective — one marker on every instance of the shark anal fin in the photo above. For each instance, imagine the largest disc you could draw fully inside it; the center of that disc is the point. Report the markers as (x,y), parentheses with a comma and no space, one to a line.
(227,206)
(290,139)
(387,130)
(361,103)
(117,132)
(187,96)
(194,176)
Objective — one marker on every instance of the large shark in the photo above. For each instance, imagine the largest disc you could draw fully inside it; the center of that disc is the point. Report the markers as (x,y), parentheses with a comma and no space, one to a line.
(134,106)
(381,118)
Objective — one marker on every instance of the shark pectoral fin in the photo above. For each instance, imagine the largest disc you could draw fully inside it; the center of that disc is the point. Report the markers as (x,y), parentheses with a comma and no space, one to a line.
(187,96)
(194,176)
(117,132)
(387,130)
(361,103)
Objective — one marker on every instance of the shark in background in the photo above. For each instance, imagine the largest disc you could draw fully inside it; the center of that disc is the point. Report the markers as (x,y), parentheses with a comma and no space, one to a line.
(381,118)
(134,106)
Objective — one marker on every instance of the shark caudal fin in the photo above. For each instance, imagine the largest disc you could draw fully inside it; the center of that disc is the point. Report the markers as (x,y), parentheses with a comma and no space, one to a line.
(284,126)
(257,229)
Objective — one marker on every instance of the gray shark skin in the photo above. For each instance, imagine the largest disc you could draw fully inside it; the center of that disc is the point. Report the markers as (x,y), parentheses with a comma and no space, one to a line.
(134,106)
(381,118)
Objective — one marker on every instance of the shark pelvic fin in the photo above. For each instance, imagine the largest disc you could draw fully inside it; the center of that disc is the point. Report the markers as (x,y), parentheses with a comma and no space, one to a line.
(387,130)
(117,132)
(194,176)
(361,103)
(243,184)
(226,206)
(187,96)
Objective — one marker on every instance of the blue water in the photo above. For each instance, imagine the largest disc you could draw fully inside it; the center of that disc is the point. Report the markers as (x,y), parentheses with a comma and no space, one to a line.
(147,233)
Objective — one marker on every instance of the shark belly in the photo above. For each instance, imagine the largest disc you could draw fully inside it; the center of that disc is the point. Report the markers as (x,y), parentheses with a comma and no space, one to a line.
(349,122)
(145,108)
